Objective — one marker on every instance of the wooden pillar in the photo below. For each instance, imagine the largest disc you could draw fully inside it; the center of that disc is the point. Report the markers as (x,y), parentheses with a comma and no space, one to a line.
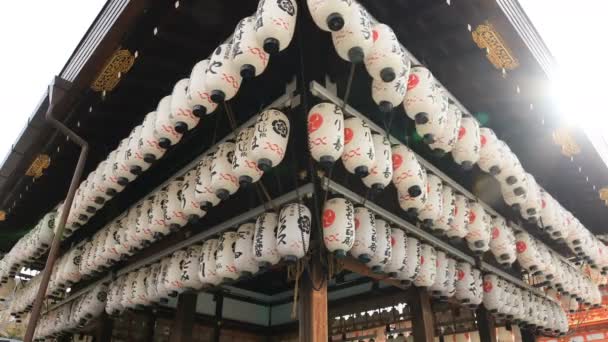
(527,335)
(312,303)
(183,322)
(149,324)
(423,325)
(485,324)
(219,312)
(103,332)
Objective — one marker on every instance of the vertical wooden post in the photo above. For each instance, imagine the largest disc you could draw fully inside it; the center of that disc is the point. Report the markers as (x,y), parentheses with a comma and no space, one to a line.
(485,324)
(181,329)
(104,329)
(219,312)
(312,303)
(527,335)
(423,324)
(149,323)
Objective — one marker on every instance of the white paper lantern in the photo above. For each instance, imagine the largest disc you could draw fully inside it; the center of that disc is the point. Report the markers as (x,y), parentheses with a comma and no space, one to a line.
(269,142)
(432,125)
(460,222)
(513,197)
(265,240)
(358,156)
(275,24)
(326,133)
(433,208)
(149,142)
(190,268)
(425,103)
(466,151)
(550,215)
(527,252)
(478,236)
(163,128)
(428,266)
(331,15)
(141,299)
(512,176)
(383,253)
(445,141)
(478,286)
(408,176)
(440,284)
(162,283)
(386,59)
(121,169)
(112,182)
(381,174)
(338,226)
(465,284)
(450,288)
(224,262)
(365,235)
(223,179)
(197,93)
(355,40)
(531,208)
(398,260)
(248,54)
(243,250)
(448,210)
(492,155)
(207,270)
(388,95)
(159,225)
(191,207)
(244,168)
(181,115)
(413,249)
(175,216)
(222,78)
(502,242)
(99,185)
(293,234)
(205,192)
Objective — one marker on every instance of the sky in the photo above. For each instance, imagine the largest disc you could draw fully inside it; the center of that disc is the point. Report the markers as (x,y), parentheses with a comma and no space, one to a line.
(37,38)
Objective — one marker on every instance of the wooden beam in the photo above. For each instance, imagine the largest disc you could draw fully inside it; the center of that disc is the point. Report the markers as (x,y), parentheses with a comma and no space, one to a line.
(219,312)
(104,329)
(422,315)
(181,329)
(312,304)
(356,266)
(485,325)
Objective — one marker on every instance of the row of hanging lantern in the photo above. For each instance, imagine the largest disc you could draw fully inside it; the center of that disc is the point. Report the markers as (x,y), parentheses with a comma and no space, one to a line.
(443,126)
(29,248)
(236,253)
(72,316)
(184,199)
(508,302)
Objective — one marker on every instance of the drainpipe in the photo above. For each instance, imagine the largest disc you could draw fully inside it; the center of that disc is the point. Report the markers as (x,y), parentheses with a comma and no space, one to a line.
(54,251)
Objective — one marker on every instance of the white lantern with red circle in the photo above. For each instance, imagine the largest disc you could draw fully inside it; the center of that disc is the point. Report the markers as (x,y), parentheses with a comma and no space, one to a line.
(265,240)
(386,59)
(428,266)
(338,226)
(331,15)
(207,270)
(222,78)
(413,251)
(527,252)
(433,208)
(465,284)
(381,173)
(326,133)
(425,103)
(502,242)
(466,151)
(223,178)
(224,262)
(550,215)
(365,235)
(491,152)
(355,41)
(191,207)
(181,115)
(248,55)
(204,190)
(478,236)
(408,176)
(243,250)
(197,93)
(164,130)
(293,233)
(244,168)
(270,139)
(398,259)
(358,156)
(445,141)
(389,95)
(531,208)
(460,222)
(275,24)
(382,255)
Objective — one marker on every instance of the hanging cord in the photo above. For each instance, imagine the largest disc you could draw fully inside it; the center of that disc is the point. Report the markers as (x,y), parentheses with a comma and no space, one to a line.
(388,126)
(349,84)
(294,273)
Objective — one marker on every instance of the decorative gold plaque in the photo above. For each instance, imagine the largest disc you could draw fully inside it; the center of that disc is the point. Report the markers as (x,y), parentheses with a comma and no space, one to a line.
(118,64)
(563,138)
(604,195)
(38,166)
(498,53)
(2,215)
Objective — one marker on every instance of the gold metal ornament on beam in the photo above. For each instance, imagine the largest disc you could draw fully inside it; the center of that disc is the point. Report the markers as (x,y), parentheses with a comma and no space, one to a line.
(604,195)
(38,166)
(110,75)
(2,215)
(497,51)
(564,139)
